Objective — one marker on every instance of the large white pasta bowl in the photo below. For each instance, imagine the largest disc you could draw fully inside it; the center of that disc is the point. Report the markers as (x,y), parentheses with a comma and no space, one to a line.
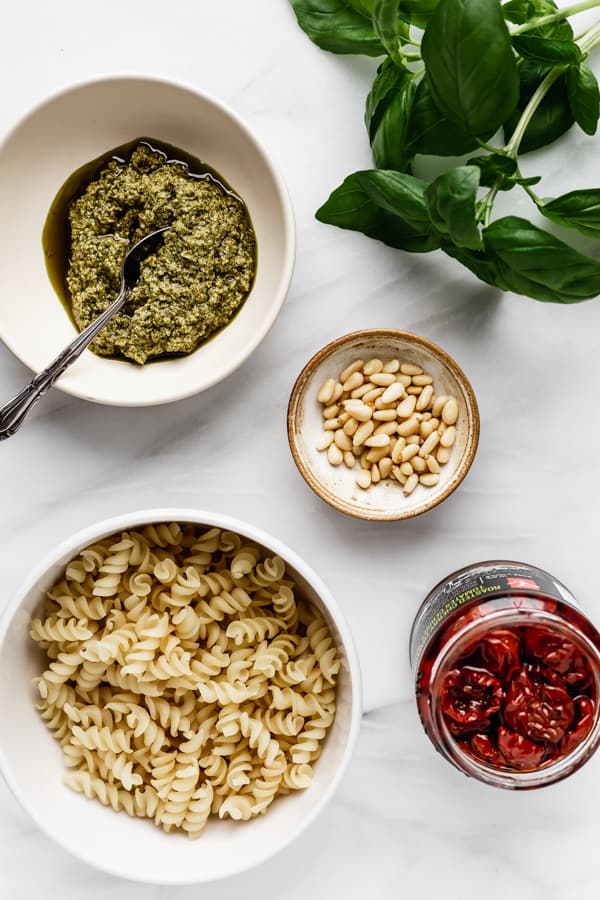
(31,760)
(76,127)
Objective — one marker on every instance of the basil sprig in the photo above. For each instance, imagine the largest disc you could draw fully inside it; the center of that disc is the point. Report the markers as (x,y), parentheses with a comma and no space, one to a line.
(455,76)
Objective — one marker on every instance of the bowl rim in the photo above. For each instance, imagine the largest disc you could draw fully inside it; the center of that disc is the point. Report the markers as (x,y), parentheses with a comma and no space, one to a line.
(139,518)
(284,202)
(293,429)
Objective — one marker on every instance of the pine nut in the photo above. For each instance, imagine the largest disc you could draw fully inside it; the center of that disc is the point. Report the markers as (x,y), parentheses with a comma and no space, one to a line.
(330,412)
(429,444)
(360,391)
(398,448)
(382,379)
(385,415)
(354,381)
(342,440)
(443,455)
(385,466)
(410,369)
(363,479)
(372,366)
(411,483)
(415,391)
(334,455)
(422,380)
(426,416)
(448,437)
(363,432)
(406,469)
(406,380)
(393,392)
(414,439)
(398,475)
(432,464)
(429,479)
(337,392)
(373,394)
(350,427)
(344,417)
(351,369)
(406,408)
(349,459)
(364,462)
(377,453)
(326,390)
(425,397)
(450,412)
(325,441)
(409,451)
(332,424)
(375,476)
(380,404)
(438,405)
(410,426)
(358,410)
(426,428)
(386,428)
(378,440)
(418,464)
(392,366)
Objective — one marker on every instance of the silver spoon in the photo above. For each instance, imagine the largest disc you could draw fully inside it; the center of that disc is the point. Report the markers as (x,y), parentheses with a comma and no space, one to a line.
(13,413)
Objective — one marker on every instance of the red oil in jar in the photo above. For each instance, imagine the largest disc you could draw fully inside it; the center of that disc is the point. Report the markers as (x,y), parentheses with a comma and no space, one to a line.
(507,672)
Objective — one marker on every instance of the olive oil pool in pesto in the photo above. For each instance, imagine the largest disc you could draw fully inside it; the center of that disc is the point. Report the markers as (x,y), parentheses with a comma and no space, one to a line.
(189,289)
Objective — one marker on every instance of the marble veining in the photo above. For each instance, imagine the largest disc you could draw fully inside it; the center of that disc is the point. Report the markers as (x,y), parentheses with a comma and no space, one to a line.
(404,823)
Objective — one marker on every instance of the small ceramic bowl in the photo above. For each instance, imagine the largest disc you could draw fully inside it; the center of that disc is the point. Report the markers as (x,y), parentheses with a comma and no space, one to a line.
(31,760)
(336,485)
(74,128)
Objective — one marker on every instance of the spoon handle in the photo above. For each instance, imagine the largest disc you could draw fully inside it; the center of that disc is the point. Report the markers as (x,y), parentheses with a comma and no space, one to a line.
(13,413)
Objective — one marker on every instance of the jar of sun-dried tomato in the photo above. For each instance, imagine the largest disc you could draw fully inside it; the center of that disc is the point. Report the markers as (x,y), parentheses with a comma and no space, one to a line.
(507,675)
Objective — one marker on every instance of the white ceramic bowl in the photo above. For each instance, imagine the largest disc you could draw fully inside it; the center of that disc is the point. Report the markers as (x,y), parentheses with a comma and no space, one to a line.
(31,759)
(74,128)
(337,484)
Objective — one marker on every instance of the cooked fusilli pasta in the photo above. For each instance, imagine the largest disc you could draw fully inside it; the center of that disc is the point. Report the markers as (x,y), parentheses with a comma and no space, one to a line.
(186,678)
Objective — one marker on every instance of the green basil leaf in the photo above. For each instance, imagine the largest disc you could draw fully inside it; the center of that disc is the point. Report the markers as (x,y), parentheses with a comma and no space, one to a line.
(364,7)
(518,11)
(387,206)
(470,65)
(553,116)
(547,51)
(584,97)
(388,81)
(492,165)
(389,143)
(479,263)
(533,262)
(451,200)
(337,26)
(417,12)
(388,27)
(577,209)
(431,133)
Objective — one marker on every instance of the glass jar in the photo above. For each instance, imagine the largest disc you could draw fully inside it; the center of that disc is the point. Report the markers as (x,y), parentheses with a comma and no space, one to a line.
(507,671)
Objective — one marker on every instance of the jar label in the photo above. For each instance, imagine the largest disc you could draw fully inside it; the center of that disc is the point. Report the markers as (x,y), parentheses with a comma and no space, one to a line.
(474,583)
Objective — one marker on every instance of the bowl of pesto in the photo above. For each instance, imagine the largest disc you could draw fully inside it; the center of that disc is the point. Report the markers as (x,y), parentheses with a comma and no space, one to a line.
(90,172)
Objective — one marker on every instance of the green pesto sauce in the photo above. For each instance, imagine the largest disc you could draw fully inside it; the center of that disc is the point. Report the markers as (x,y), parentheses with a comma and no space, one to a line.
(189,289)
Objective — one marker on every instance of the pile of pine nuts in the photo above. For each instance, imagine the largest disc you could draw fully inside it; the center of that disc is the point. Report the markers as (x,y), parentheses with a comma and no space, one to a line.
(386,418)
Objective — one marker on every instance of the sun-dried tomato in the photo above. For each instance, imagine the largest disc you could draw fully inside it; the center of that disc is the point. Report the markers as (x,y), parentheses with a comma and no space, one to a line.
(460,729)
(585,709)
(500,652)
(542,712)
(470,696)
(518,751)
(484,747)
(552,649)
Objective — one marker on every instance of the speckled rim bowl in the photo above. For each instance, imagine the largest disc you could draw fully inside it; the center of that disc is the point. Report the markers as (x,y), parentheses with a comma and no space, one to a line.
(76,126)
(336,485)
(31,760)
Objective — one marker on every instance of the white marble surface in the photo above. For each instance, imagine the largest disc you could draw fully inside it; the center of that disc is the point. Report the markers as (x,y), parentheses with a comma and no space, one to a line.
(404,822)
